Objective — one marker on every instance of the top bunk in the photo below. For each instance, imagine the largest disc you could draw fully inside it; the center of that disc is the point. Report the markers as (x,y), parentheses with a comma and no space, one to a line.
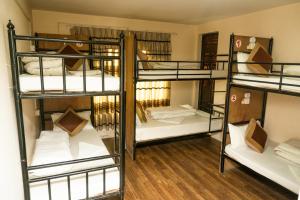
(67,71)
(174,70)
(251,66)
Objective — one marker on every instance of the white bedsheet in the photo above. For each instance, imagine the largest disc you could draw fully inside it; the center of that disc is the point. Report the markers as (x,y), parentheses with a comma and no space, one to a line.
(59,187)
(31,83)
(182,74)
(266,164)
(295,81)
(155,129)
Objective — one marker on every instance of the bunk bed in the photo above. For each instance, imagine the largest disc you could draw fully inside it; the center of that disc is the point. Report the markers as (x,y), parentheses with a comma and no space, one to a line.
(84,168)
(281,78)
(157,131)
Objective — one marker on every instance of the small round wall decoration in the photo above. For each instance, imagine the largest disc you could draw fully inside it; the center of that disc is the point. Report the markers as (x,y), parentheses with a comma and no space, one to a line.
(238,43)
(233,98)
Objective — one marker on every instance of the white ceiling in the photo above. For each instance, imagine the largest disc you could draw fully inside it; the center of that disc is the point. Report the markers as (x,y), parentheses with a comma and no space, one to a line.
(178,11)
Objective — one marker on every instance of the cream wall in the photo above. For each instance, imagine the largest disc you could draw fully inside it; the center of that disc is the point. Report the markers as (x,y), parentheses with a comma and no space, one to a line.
(183,38)
(10,169)
(282,23)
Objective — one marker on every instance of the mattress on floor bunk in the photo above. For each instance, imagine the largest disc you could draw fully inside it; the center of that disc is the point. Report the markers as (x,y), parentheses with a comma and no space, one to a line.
(270,79)
(32,83)
(267,164)
(59,187)
(182,74)
(154,129)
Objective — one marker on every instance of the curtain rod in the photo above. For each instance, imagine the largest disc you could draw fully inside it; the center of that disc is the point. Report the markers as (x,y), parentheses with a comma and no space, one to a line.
(123,28)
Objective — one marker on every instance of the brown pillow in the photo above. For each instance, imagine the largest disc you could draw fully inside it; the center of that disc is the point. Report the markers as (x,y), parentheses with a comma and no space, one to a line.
(144,57)
(256,137)
(71,122)
(141,112)
(71,63)
(259,54)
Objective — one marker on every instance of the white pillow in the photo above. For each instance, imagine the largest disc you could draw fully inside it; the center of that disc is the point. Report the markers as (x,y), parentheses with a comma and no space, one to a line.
(54,136)
(51,151)
(242,57)
(292,70)
(28,59)
(237,135)
(85,115)
(55,71)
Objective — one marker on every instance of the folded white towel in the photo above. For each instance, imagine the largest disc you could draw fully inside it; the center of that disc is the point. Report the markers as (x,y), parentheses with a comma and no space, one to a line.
(295,171)
(292,146)
(170,112)
(51,151)
(289,150)
(176,120)
(289,156)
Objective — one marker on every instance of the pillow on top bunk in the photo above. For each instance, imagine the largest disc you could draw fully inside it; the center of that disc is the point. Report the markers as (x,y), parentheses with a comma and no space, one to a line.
(256,137)
(241,67)
(51,66)
(259,54)
(144,57)
(71,122)
(71,63)
(140,112)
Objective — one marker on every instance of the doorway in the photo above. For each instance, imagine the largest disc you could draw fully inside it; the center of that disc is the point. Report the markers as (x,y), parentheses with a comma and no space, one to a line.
(208,55)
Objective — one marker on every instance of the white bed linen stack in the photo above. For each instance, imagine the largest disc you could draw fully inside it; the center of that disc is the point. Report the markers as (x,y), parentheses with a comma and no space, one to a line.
(169,112)
(51,66)
(289,150)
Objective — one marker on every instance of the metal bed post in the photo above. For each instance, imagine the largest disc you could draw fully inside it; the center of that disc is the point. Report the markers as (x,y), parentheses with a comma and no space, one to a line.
(91,52)
(123,117)
(226,114)
(18,104)
(91,63)
(41,101)
(265,96)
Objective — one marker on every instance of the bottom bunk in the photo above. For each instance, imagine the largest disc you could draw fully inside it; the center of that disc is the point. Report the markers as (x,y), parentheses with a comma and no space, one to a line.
(86,144)
(275,168)
(189,125)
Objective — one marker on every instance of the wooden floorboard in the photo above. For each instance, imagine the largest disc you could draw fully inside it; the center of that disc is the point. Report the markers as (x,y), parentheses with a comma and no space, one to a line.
(189,170)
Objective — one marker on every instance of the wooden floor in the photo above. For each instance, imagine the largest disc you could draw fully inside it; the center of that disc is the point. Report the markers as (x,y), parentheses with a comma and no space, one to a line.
(189,170)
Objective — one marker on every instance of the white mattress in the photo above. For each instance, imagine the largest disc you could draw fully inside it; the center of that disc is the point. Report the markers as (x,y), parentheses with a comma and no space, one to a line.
(155,129)
(182,74)
(266,164)
(59,187)
(31,83)
(295,81)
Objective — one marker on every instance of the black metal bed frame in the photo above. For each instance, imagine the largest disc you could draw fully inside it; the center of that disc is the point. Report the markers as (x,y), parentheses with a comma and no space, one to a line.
(265,90)
(208,76)
(15,56)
